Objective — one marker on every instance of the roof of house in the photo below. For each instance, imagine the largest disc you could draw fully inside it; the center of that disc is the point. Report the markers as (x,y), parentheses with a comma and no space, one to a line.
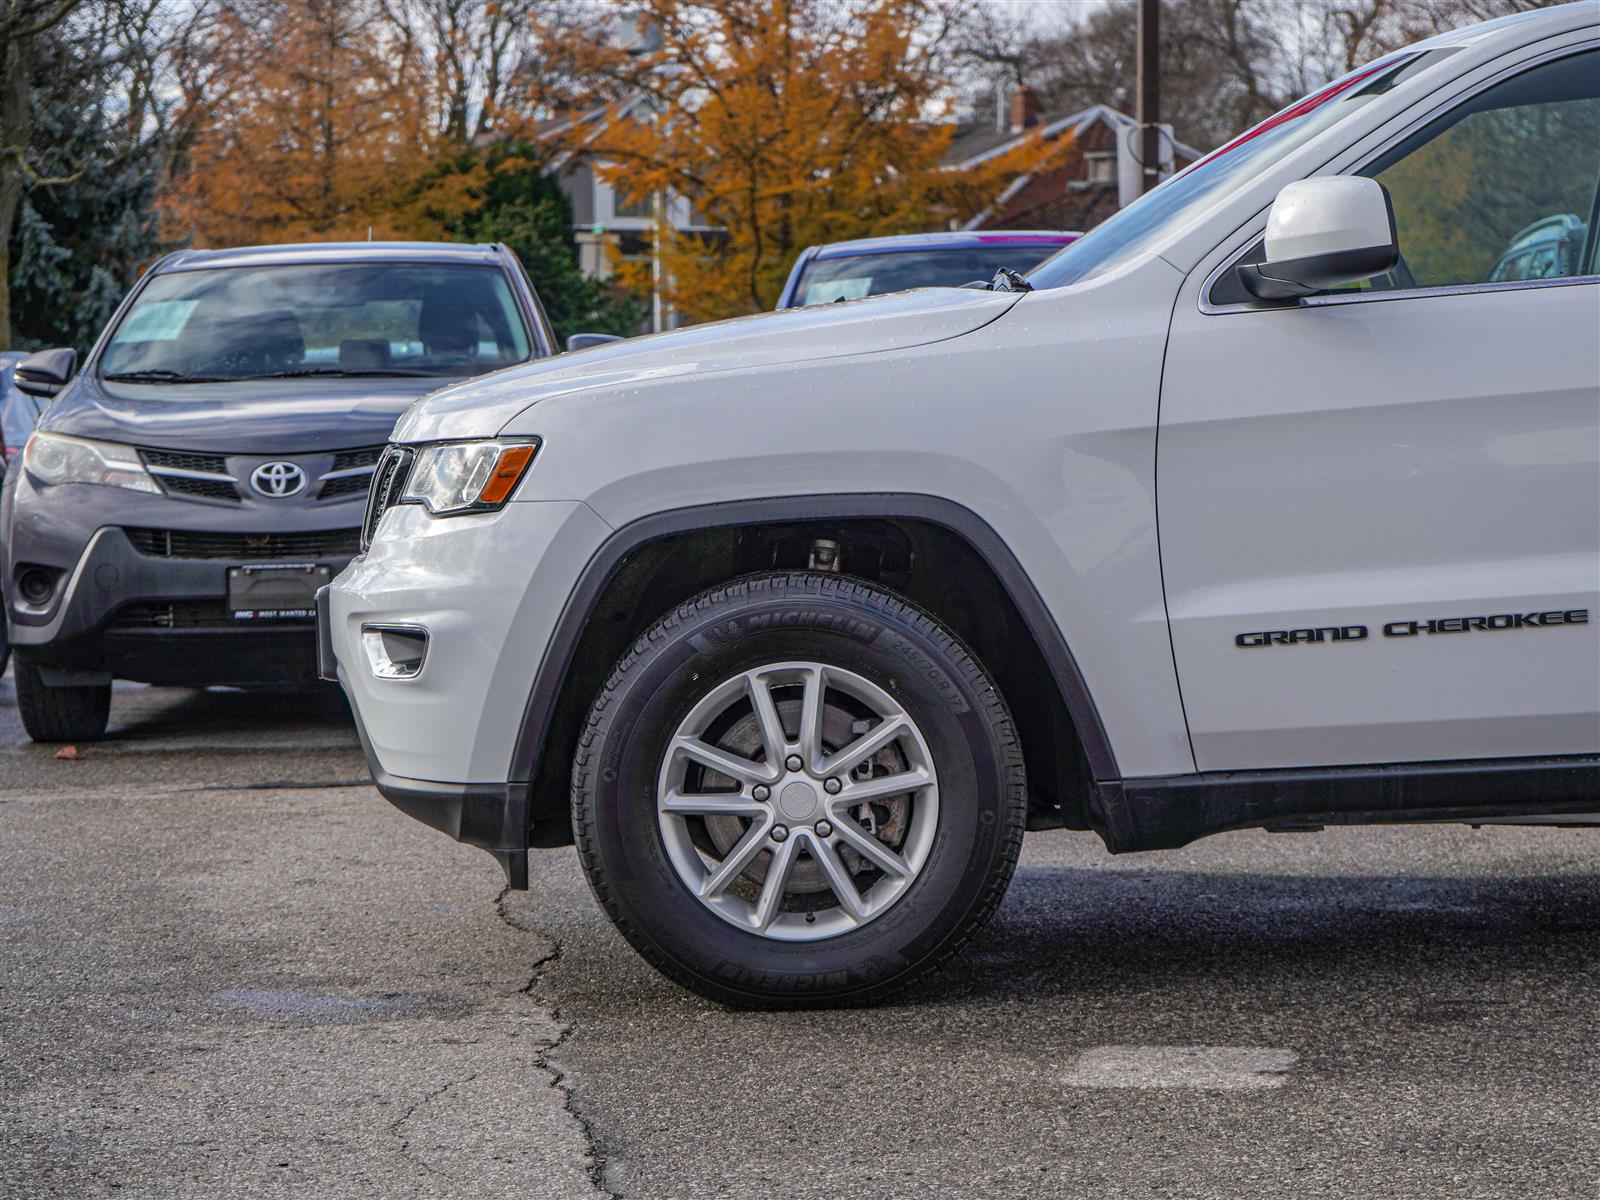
(980,143)
(598,116)
(1078,208)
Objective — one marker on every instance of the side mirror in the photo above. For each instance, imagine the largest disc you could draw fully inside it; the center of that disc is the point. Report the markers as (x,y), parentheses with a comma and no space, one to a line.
(1324,233)
(583,341)
(45,373)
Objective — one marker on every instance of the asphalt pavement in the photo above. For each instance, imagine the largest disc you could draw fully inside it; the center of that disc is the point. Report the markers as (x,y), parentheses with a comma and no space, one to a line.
(229,969)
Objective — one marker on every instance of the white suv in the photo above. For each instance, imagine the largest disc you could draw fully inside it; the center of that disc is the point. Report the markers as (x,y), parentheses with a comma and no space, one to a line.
(1260,505)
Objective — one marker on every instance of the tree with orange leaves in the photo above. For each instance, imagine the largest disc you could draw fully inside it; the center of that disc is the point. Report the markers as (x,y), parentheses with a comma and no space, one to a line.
(324,130)
(784,123)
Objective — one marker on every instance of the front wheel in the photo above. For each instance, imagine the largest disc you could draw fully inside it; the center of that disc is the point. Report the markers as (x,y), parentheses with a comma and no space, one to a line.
(797,790)
(52,713)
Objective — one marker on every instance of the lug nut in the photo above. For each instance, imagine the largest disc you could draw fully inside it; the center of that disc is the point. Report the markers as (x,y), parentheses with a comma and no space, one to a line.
(761,792)
(824,829)
(831,786)
(793,762)
(780,833)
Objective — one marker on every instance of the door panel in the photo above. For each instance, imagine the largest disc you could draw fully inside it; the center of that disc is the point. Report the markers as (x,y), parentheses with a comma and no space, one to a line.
(1352,466)
(1380,512)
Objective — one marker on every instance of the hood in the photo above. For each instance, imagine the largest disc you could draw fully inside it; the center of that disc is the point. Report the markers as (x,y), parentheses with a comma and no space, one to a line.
(482,407)
(269,416)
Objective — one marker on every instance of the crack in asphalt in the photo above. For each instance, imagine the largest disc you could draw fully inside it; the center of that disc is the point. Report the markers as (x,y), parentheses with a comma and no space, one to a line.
(427,1098)
(594,1153)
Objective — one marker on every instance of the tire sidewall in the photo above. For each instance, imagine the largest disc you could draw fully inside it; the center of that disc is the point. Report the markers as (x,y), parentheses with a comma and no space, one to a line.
(939,687)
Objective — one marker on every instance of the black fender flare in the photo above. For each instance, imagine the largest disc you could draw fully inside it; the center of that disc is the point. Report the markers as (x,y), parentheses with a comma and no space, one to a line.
(935,510)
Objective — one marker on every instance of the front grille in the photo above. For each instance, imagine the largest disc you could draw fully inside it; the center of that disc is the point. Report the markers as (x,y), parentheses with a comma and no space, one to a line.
(388,482)
(187,614)
(345,485)
(179,543)
(213,464)
(349,460)
(360,461)
(162,462)
(209,489)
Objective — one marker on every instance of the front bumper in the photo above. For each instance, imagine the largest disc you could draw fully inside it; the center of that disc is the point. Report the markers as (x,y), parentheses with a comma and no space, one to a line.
(488,589)
(155,609)
(493,817)
(160,620)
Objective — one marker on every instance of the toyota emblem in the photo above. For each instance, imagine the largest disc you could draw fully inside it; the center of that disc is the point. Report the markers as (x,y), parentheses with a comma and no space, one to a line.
(278,479)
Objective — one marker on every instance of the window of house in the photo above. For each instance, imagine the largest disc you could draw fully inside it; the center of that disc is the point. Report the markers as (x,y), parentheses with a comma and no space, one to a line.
(1100,166)
(642,208)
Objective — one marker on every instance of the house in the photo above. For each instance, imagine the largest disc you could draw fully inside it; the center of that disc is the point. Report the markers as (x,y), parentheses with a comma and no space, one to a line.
(1091,180)
(608,227)
(1097,176)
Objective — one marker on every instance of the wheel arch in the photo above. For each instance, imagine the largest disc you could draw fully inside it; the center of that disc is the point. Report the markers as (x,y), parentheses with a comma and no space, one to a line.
(656,562)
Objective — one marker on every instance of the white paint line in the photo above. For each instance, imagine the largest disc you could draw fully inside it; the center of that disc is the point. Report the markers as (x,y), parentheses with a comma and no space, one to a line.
(1216,1068)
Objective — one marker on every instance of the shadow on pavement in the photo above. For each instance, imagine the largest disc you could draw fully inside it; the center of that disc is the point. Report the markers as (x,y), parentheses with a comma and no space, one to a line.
(140,712)
(1073,931)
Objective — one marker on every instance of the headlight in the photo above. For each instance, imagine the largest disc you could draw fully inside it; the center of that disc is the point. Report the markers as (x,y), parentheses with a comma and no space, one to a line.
(51,458)
(467,476)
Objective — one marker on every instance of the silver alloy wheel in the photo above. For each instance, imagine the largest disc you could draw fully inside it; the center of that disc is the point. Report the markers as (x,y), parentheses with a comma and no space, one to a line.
(816,828)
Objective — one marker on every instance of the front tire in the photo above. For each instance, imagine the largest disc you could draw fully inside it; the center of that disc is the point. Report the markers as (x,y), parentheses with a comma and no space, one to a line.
(60,714)
(797,790)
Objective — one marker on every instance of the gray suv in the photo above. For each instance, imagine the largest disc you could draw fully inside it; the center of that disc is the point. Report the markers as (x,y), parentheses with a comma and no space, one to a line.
(189,488)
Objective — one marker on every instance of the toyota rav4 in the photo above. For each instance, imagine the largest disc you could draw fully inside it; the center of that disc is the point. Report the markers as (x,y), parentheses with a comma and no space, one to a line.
(189,489)
(1264,504)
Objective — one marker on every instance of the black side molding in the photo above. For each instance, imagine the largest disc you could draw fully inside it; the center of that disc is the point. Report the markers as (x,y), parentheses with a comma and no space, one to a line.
(1172,811)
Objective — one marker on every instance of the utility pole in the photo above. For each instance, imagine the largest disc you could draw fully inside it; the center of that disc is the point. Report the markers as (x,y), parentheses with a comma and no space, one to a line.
(1147,111)
(657,320)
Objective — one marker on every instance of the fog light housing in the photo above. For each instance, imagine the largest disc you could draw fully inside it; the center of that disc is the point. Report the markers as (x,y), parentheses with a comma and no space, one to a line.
(395,651)
(35,585)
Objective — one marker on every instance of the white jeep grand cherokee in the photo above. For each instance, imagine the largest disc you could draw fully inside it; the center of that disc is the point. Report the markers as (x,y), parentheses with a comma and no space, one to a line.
(1273,502)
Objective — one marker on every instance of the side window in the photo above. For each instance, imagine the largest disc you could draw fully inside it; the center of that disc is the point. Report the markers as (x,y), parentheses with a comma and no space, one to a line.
(1503,187)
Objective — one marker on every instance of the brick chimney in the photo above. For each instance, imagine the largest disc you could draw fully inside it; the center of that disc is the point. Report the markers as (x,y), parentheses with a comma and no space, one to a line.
(1024,109)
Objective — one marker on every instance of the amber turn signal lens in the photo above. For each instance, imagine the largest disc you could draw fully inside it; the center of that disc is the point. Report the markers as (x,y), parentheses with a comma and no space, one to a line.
(513,462)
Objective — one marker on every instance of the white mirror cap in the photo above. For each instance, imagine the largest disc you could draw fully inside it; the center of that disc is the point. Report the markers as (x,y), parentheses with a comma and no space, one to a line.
(1330,215)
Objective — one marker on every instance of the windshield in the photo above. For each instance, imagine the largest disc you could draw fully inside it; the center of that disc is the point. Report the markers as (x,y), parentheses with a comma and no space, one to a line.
(232,323)
(852,276)
(1136,228)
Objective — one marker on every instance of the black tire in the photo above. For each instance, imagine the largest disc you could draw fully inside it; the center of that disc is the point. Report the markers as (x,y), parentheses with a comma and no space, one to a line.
(60,714)
(838,622)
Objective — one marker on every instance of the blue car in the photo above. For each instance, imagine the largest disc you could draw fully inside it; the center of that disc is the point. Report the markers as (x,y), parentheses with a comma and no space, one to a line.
(874,266)
(19,413)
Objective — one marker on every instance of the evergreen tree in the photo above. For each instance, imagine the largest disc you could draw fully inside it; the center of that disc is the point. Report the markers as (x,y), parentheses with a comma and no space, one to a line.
(79,243)
(524,207)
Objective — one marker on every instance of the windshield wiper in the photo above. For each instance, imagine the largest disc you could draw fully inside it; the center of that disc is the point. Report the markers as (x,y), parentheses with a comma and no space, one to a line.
(1007,280)
(159,375)
(337,372)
